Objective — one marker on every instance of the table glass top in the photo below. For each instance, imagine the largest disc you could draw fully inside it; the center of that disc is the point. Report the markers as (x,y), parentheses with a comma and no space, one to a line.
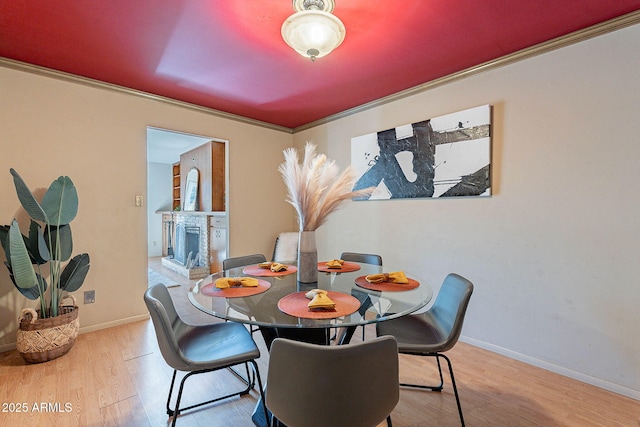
(262,309)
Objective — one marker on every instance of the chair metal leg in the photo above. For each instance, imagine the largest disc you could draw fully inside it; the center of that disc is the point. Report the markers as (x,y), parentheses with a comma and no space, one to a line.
(173,380)
(439,387)
(177,410)
(249,380)
(262,396)
(430,387)
(455,389)
(346,335)
(389,421)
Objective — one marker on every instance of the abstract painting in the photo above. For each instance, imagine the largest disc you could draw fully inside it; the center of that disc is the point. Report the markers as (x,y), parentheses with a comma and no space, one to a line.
(444,156)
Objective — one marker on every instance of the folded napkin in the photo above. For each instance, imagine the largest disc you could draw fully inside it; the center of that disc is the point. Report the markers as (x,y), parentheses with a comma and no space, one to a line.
(276,267)
(335,263)
(228,282)
(313,292)
(321,302)
(395,277)
(273,266)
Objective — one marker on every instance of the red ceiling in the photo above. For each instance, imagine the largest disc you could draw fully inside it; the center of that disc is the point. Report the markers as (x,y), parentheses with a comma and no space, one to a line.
(229,55)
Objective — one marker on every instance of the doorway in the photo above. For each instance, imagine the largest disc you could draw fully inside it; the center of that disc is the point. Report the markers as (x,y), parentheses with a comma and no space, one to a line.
(164,148)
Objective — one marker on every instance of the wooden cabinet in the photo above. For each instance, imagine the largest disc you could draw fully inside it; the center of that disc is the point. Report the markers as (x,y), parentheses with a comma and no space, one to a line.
(168,234)
(217,242)
(176,185)
(209,159)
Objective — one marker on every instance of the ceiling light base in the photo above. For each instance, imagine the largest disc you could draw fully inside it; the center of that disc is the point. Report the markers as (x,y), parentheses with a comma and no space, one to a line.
(313,31)
(323,5)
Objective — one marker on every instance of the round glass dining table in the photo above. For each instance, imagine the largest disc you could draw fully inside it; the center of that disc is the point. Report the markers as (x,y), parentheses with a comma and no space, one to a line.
(271,308)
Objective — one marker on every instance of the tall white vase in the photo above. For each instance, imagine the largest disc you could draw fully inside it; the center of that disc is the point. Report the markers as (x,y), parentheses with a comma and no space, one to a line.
(307,257)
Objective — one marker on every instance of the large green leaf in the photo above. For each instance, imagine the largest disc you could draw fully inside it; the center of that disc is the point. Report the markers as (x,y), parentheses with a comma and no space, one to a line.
(60,202)
(25,276)
(32,293)
(28,201)
(62,236)
(4,234)
(36,245)
(74,273)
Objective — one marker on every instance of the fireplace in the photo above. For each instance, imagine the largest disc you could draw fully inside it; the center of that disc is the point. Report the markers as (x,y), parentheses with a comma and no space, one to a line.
(191,251)
(187,249)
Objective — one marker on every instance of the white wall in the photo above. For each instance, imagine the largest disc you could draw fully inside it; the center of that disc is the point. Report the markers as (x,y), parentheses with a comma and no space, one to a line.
(554,254)
(159,198)
(51,127)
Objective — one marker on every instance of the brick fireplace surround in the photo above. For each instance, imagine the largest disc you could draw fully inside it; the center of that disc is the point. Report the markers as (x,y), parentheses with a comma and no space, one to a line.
(202,267)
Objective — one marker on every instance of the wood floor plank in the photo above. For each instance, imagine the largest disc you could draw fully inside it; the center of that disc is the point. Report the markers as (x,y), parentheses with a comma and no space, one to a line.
(126,413)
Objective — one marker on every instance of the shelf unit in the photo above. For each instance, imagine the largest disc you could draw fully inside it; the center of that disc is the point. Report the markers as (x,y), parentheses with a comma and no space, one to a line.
(176,186)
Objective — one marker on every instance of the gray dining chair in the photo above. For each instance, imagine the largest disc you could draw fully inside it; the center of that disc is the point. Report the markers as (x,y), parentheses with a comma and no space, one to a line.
(240,261)
(353,385)
(435,331)
(362,257)
(363,297)
(285,248)
(198,349)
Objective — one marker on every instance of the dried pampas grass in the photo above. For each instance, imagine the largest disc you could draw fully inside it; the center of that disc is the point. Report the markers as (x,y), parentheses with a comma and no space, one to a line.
(316,188)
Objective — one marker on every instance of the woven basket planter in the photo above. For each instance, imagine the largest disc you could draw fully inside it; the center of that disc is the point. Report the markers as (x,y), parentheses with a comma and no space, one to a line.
(41,340)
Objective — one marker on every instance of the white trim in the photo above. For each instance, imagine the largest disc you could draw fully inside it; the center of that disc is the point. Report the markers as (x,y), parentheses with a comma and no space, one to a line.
(114,323)
(92,328)
(614,24)
(61,75)
(597,382)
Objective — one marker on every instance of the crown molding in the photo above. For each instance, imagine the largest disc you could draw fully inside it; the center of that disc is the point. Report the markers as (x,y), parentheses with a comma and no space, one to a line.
(72,78)
(539,49)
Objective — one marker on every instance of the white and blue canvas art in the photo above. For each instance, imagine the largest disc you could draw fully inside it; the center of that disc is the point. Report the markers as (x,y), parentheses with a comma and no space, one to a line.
(446,156)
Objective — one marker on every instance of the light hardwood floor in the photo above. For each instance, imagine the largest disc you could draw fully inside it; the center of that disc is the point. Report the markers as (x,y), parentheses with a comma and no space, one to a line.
(117,377)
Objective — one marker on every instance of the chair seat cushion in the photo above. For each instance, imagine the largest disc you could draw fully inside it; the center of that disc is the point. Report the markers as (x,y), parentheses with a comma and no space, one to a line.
(215,345)
(416,334)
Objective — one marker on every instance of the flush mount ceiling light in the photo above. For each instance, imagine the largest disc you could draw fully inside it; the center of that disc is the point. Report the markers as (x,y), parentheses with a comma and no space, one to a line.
(313,31)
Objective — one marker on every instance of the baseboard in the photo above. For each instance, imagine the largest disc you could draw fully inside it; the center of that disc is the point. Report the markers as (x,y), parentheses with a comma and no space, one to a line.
(579,376)
(92,328)
(113,323)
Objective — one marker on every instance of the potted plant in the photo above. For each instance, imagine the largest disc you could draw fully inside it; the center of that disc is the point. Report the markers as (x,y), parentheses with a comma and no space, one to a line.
(36,267)
(315,188)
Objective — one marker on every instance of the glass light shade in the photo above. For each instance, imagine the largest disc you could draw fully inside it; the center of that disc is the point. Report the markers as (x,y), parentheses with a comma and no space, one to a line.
(313,33)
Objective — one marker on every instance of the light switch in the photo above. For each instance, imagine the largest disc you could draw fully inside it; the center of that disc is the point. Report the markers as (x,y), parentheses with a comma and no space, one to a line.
(139,201)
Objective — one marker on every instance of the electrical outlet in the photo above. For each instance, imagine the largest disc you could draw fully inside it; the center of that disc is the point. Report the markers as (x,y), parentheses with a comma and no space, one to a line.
(89,297)
(139,201)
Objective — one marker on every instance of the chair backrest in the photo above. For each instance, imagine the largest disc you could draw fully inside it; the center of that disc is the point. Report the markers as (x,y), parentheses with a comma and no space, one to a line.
(166,323)
(347,385)
(449,309)
(239,261)
(286,247)
(364,258)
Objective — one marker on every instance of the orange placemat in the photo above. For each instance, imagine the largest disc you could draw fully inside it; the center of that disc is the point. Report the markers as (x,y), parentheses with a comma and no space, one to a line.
(296,305)
(255,270)
(236,291)
(346,267)
(387,286)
